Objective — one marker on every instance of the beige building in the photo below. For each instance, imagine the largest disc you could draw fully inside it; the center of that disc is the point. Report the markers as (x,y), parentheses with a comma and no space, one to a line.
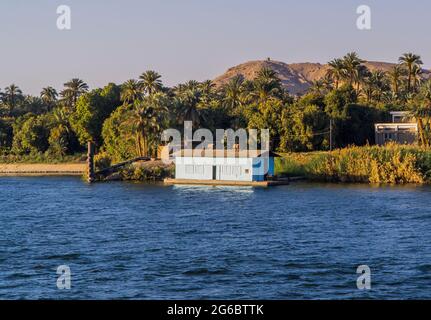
(403,129)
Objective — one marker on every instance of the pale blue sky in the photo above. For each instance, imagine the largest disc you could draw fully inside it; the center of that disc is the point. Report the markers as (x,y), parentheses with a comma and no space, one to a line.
(115,40)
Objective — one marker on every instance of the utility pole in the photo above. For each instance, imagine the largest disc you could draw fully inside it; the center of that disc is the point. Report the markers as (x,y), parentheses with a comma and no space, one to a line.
(330,134)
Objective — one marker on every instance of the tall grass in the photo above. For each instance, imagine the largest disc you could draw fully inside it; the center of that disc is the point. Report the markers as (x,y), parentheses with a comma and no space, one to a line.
(293,164)
(393,163)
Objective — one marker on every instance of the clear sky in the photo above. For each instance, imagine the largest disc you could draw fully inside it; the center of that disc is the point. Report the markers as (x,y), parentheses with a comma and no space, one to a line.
(115,40)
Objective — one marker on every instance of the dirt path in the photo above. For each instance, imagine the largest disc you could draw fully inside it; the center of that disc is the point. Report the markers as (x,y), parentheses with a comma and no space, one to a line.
(41,169)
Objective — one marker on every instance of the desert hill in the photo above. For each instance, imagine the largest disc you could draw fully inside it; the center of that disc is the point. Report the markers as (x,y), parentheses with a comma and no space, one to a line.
(295,77)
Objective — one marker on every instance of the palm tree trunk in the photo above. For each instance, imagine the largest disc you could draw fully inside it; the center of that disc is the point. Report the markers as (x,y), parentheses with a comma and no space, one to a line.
(409,84)
(426,136)
(156,151)
(421,133)
(144,146)
(138,144)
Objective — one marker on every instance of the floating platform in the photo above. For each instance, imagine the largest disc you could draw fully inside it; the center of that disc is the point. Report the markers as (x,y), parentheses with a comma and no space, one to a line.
(227,182)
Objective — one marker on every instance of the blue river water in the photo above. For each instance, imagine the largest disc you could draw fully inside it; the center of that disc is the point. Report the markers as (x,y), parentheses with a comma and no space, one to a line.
(149,241)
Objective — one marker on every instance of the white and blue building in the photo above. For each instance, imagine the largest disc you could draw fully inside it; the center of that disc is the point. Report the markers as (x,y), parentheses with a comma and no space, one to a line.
(224,165)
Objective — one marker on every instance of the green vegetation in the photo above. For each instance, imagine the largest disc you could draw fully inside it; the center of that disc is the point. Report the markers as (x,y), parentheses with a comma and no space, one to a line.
(372,164)
(139,171)
(125,121)
(147,172)
(294,164)
(42,158)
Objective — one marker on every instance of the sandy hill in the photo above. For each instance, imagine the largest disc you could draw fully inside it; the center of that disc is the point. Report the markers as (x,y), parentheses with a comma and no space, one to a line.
(296,77)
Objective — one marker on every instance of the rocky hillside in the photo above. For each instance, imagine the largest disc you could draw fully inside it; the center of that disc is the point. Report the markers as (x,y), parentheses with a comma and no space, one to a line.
(296,77)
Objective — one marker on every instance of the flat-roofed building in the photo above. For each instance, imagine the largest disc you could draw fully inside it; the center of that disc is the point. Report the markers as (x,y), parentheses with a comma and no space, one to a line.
(403,129)
(224,165)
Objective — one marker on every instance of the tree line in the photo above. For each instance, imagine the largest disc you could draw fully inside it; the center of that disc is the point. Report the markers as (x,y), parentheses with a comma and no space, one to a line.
(127,120)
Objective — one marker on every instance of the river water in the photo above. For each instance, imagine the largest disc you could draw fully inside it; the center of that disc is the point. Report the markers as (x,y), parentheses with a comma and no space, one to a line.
(148,241)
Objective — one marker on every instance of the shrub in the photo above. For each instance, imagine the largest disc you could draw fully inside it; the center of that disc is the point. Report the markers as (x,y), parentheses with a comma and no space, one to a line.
(147,172)
(58,141)
(118,135)
(392,163)
(31,135)
(102,161)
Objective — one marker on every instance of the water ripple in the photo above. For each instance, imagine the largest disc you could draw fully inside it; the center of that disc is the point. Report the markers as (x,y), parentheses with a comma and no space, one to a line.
(148,241)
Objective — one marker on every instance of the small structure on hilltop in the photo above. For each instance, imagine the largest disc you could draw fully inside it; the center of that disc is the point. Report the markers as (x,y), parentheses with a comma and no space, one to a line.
(403,129)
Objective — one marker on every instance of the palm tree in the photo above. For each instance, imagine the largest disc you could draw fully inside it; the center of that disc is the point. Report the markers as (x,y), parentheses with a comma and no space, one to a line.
(1,100)
(150,82)
(207,89)
(360,73)
(192,85)
(409,60)
(49,96)
(368,86)
(159,119)
(62,120)
(352,64)
(188,102)
(380,84)
(131,91)
(396,75)
(73,89)
(416,77)
(266,85)
(426,92)
(336,71)
(232,91)
(34,105)
(389,97)
(422,112)
(140,117)
(375,85)
(327,82)
(11,96)
(317,86)
(149,119)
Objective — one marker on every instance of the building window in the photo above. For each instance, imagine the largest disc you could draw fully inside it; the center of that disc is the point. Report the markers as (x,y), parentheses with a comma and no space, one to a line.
(247,171)
(389,136)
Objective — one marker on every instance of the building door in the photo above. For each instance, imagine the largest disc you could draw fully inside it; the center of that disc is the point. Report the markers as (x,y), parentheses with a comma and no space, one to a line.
(214,172)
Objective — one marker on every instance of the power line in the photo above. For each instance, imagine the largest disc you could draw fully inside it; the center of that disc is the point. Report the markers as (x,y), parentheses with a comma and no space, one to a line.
(308,135)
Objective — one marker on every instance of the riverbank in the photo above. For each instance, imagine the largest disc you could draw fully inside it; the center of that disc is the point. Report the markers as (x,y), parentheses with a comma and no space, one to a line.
(392,164)
(42,169)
